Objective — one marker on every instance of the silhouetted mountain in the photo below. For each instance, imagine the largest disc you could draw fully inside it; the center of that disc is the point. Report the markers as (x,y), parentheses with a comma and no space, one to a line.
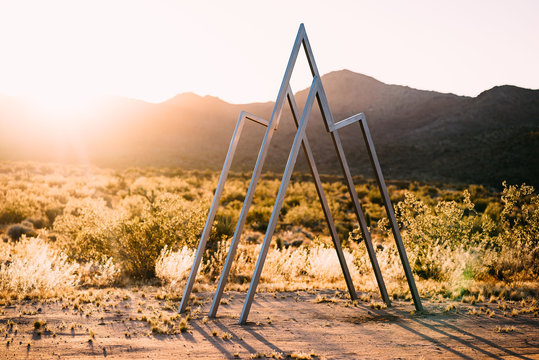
(418,134)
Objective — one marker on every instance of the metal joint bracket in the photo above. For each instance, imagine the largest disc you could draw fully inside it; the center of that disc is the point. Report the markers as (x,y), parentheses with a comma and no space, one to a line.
(254,118)
(347,121)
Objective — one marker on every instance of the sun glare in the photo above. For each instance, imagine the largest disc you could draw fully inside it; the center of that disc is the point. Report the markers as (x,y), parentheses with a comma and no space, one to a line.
(63,115)
(64,104)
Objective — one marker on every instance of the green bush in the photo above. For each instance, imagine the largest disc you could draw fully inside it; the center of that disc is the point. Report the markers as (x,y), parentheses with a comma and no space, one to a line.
(87,229)
(258,217)
(166,220)
(307,215)
(133,234)
(434,234)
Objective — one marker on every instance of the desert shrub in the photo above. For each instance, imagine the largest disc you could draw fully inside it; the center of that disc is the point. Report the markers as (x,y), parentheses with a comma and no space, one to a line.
(258,217)
(225,223)
(448,223)
(323,264)
(517,244)
(285,264)
(16,231)
(52,211)
(494,210)
(173,267)
(520,217)
(37,222)
(434,232)
(451,242)
(87,230)
(375,196)
(306,215)
(15,206)
(214,259)
(99,273)
(144,230)
(234,194)
(32,268)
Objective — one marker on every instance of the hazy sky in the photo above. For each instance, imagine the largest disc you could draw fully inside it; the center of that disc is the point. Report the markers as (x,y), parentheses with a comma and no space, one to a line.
(238,50)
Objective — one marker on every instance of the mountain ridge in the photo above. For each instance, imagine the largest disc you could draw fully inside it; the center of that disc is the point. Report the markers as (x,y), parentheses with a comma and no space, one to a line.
(418,134)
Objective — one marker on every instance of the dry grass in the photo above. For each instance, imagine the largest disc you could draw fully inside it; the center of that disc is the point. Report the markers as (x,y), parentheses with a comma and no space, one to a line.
(173,267)
(32,268)
(504,329)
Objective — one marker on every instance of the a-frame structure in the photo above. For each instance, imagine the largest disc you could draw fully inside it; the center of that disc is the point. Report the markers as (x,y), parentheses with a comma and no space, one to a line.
(317,93)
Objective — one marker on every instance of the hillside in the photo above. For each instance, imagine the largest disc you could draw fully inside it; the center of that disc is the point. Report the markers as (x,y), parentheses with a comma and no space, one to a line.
(418,134)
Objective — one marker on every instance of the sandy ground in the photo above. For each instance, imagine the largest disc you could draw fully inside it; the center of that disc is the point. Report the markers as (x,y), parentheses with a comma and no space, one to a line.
(294,324)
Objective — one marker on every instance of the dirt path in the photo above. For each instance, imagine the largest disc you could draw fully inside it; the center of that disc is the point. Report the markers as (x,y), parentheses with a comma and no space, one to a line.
(283,324)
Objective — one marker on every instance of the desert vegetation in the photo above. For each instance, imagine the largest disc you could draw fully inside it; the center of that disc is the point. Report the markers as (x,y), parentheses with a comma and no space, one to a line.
(103,255)
(66,228)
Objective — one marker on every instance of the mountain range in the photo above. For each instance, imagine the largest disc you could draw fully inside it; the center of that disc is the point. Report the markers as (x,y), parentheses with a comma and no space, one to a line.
(421,135)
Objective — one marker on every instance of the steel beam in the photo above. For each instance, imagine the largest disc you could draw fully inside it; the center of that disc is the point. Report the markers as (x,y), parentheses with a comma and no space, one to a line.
(215,204)
(272,126)
(323,200)
(331,127)
(298,140)
(391,214)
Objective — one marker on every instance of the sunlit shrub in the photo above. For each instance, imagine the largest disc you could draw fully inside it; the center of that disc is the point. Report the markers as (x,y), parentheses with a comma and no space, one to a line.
(225,223)
(15,206)
(323,264)
(99,273)
(214,259)
(286,264)
(258,217)
(306,215)
(143,231)
(32,268)
(520,216)
(173,266)
(87,230)
(451,241)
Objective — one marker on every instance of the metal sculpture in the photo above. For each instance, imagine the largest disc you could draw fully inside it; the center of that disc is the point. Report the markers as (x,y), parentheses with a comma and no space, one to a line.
(317,93)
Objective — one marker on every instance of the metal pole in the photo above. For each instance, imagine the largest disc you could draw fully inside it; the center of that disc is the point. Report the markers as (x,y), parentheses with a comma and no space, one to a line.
(279,201)
(391,215)
(273,124)
(241,221)
(326,114)
(213,210)
(323,200)
(360,217)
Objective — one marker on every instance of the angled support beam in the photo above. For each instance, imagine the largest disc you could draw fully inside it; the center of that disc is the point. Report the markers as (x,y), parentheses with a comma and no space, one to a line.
(323,201)
(241,221)
(331,127)
(360,118)
(352,190)
(391,214)
(298,140)
(256,119)
(215,203)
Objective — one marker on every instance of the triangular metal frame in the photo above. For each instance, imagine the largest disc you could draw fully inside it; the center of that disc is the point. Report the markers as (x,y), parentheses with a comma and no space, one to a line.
(285,93)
